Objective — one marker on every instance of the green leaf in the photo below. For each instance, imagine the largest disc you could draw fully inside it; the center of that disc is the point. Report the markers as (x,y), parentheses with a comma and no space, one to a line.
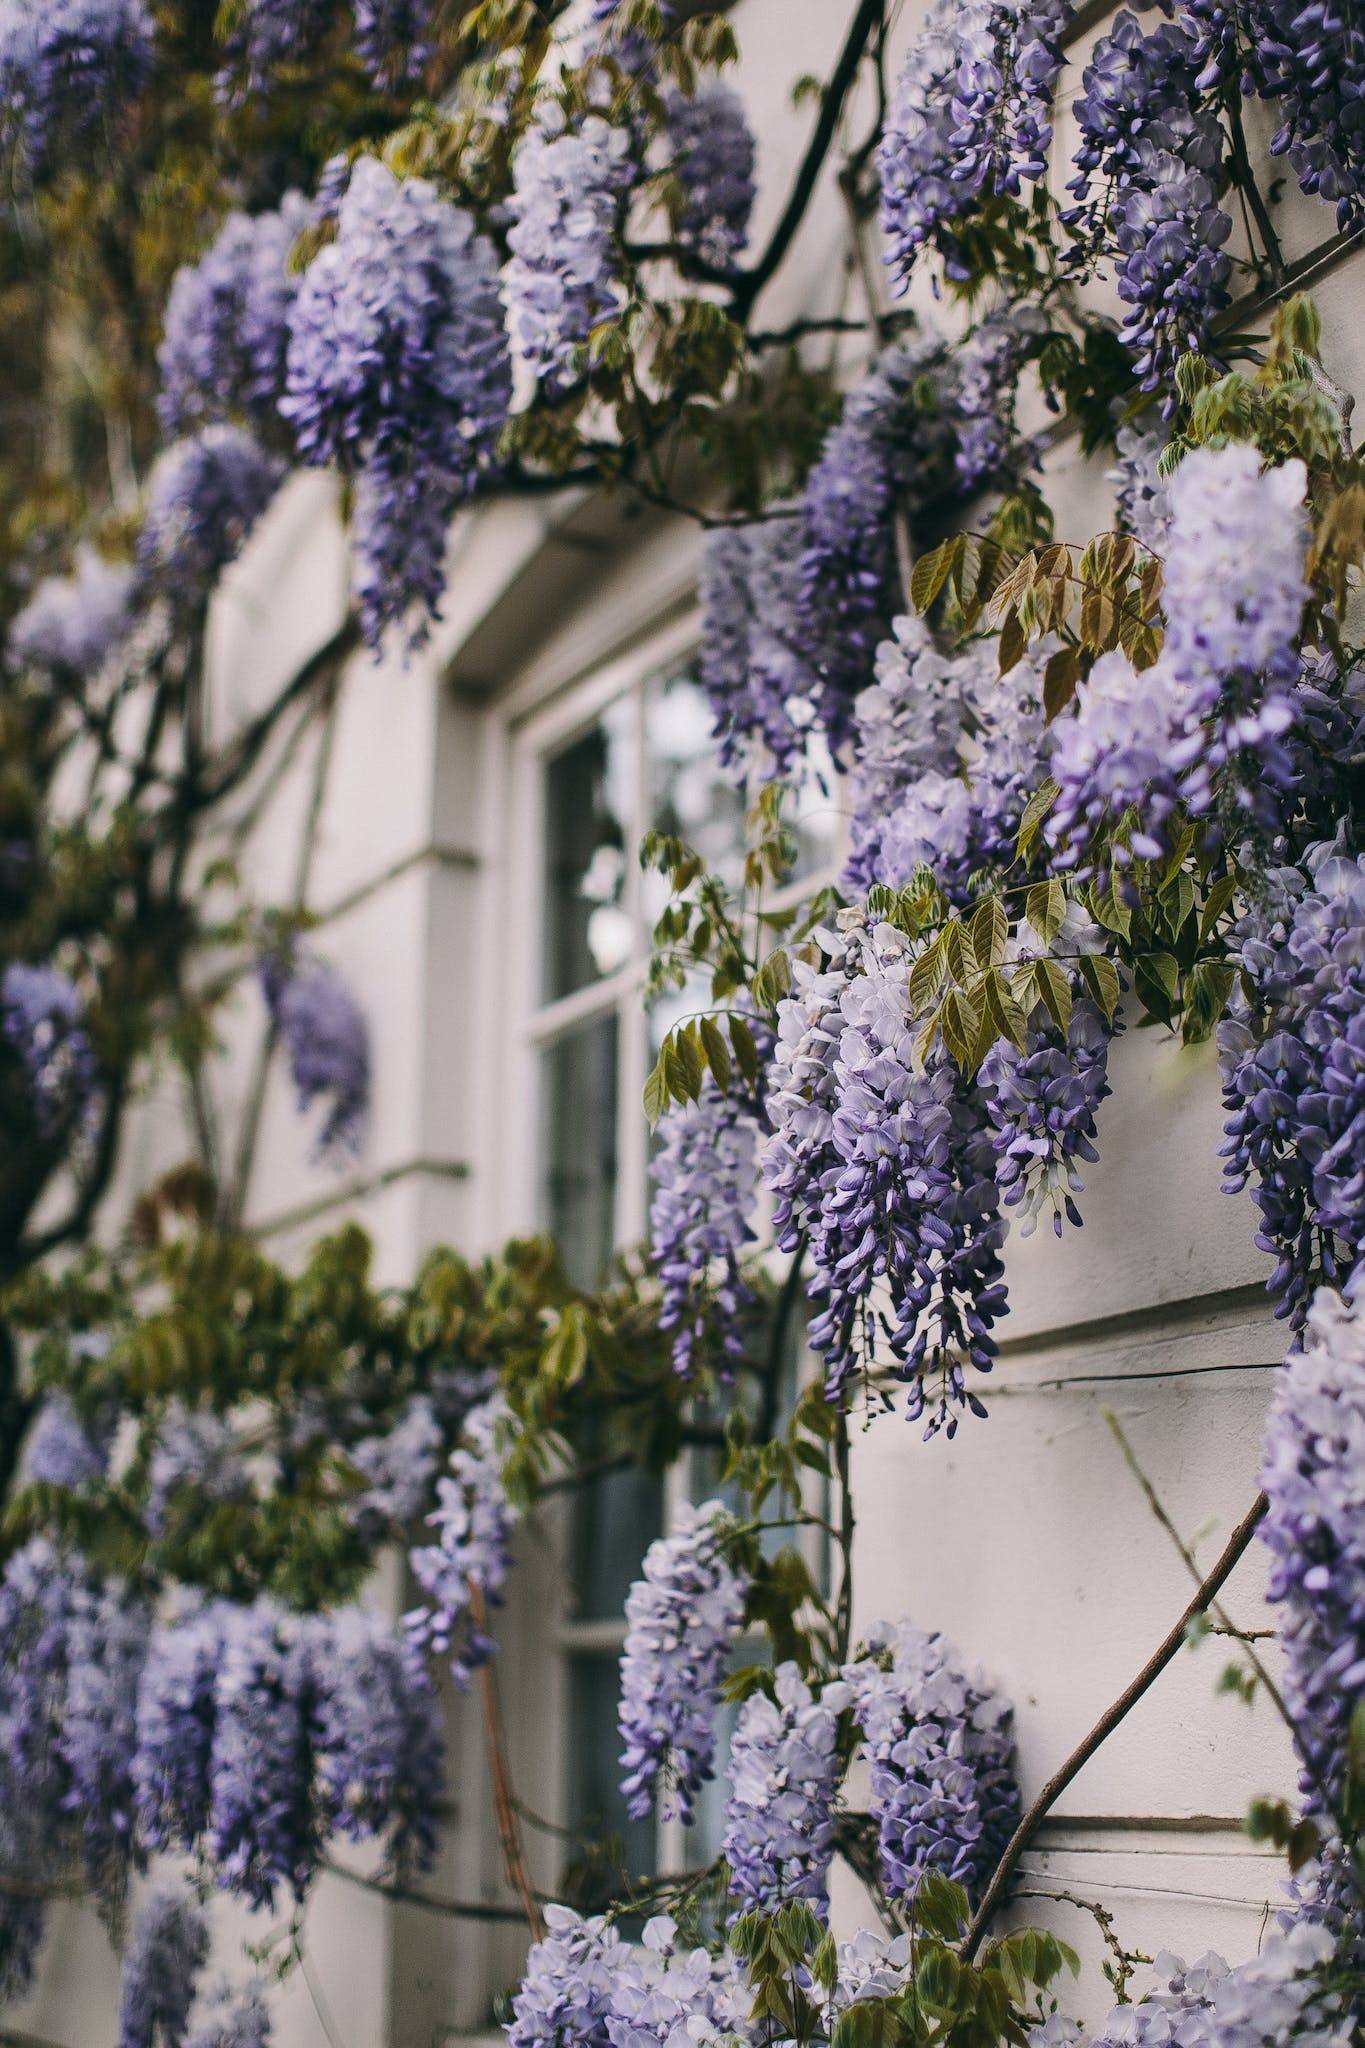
(1215,903)
(656,1093)
(1003,1011)
(927,975)
(1054,986)
(1109,909)
(1035,810)
(988,931)
(1045,908)
(959,1023)
(932,571)
(1101,977)
(716,1051)
(746,1051)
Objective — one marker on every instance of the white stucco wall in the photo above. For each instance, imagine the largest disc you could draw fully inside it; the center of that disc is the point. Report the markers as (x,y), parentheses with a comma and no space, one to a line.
(1026,1538)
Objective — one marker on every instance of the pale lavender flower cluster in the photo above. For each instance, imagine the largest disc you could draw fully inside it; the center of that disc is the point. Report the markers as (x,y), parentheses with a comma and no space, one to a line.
(175,1722)
(44,1022)
(939,1742)
(397,370)
(761,688)
(234,2019)
(970,121)
(1042,1101)
(222,354)
(987,364)
(66,68)
(1308,58)
(701,1217)
(261,1825)
(711,154)
(680,1620)
(584,1984)
(473,1520)
(1111,757)
(204,495)
(783,1772)
(1315,1531)
(892,449)
(168,1948)
(61,1449)
(884,1163)
(326,1042)
(398,1467)
(563,279)
(195,1460)
(376,1736)
(1155,151)
(1142,498)
(1293,1064)
(393,39)
(72,624)
(1281,1995)
(268,35)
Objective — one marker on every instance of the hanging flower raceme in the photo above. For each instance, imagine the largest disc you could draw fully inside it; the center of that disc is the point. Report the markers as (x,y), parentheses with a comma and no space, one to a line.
(72,624)
(326,1043)
(376,1737)
(204,496)
(399,1469)
(1283,1994)
(680,1620)
(701,1218)
(783,1772)
(1148,178)
(44,1022)
(711,154)
(68,68)
(234,2019)
(262,1830)
(1292,1053)
(1307,58)
(222,355)
(393,40)
(1143,503)
(166,1952)
(563,279)
(970,122)
(939,1742)
(62,1450)
(176,1718)
(268,36)
(884,1163)
(195,1459)
(761,688)
(466,1568)
(1315,1531)
(566,1990)
(584,1984)
(397,370)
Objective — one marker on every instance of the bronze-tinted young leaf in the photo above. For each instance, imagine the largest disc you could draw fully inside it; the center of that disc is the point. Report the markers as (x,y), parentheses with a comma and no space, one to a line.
(1060,677)
(1013,642)
(932,571)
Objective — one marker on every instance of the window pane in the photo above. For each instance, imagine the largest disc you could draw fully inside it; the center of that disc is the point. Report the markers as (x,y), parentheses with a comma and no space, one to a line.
(578,1147)
(689,794)
(588,826)
(616,1518)
(597,1810)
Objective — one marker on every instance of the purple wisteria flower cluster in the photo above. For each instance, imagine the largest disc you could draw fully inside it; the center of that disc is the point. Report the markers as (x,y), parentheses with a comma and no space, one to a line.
(711,154)
(44,1023)
(1281,1995)
(464,1571)
(884,1164)
(1292,1052)
(398,371)
(1149,171)
(1208,724)
(761,688)
(72,624)
(270,35)
(204,496)
(398,1467)
(234,2019)
(222,354)
(681,1618)
(393,39)
(1142,504)
(701,1218)
(377,1738)
(939,1742)
(325,1040)
(1307,57)
(166,1952)
(970,122)
(1315,1532)
(63,1450)
(571,182)
(783,1772)
(67,69)
(584,1984)
(195,1459)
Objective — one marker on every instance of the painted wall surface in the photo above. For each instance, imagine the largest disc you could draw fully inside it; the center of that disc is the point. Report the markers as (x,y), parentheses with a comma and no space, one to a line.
(1027,1538)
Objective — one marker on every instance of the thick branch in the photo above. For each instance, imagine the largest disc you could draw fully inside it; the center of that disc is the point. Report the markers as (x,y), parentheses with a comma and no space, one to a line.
(1165,1651)
(867,18)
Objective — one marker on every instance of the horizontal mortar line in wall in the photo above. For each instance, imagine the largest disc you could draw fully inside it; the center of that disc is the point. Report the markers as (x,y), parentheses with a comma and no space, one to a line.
(433,855)
(357,1190)
(1017,1389)
(1179,1316)
(1140,1823)
(1130,1887)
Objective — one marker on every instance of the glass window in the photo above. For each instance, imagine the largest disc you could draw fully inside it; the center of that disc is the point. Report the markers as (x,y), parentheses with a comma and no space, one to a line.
(616,1519)
(589,823)
(578,1146)
(597,1808)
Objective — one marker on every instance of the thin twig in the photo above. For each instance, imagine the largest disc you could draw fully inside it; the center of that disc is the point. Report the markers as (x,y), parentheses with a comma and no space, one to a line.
(429,1902)
(500,1777)
(1109,1720)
